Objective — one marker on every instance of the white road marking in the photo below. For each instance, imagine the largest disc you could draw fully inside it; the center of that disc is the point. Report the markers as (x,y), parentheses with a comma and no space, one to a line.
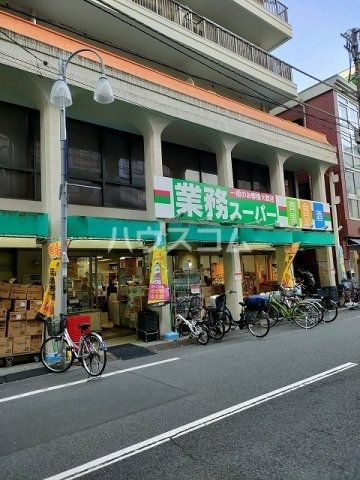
(78,382)
(153,442)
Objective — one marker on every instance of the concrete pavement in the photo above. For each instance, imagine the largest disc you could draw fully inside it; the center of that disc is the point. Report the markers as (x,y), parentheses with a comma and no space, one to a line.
(56,430)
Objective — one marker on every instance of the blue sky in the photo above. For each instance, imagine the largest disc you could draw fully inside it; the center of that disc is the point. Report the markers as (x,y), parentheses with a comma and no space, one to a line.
(316,46)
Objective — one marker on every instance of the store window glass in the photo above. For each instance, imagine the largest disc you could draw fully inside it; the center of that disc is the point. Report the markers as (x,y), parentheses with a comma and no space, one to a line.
(19,152)
(251,176)
(189,163)
(289,179)
(350,187)
(353,208)
(106,167)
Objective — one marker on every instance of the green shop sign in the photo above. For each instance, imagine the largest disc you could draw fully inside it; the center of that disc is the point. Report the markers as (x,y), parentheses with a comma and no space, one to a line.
(196,202)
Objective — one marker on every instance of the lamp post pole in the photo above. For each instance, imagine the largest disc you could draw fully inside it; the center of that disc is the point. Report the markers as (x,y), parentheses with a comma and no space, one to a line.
(61,97)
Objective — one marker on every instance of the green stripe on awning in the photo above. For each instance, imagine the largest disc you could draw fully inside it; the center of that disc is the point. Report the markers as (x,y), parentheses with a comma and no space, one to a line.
(162,199)
(23,224)
(111,228)
(183,232)
(258,235)
(313,239)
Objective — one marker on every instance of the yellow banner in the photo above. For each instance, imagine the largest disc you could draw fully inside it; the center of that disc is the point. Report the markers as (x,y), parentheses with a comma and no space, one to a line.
(159,292)
(288,277)
(47,307)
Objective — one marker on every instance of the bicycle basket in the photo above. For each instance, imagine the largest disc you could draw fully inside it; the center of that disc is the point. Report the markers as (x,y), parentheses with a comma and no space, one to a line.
(55,326)
(256,303)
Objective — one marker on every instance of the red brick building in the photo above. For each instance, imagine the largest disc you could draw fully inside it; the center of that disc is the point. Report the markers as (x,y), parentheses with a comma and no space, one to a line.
(336,115)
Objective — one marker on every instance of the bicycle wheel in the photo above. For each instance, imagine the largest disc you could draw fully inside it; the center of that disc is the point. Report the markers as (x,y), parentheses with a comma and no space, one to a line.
(320,310)
(259,325)
(273,313)
(216,329)
(56,354)
(93,354)
(342,301)
(225,318)
(330,310)
(202,333)
(305,315)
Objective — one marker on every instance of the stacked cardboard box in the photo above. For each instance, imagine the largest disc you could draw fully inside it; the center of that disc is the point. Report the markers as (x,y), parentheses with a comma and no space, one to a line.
(20,333)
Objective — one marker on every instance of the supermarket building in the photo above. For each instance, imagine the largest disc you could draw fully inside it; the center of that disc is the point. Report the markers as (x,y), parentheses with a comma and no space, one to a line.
(167,139)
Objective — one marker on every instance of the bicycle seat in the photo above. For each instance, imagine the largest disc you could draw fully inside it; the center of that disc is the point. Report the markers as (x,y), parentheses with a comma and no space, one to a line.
(84,326)
(242,304)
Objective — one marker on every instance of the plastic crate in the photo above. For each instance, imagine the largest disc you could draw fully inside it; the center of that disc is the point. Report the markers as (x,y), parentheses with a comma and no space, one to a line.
(72,325)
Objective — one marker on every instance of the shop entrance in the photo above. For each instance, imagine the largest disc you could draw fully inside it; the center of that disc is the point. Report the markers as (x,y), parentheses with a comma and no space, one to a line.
(259,272)
(111,288)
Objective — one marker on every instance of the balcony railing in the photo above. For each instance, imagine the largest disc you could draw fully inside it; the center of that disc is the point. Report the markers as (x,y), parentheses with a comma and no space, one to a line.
(205,28)
(276,8)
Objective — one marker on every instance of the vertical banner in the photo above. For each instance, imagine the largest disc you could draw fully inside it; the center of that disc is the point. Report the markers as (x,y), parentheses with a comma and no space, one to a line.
(47,308)
(290,252)
(159,293)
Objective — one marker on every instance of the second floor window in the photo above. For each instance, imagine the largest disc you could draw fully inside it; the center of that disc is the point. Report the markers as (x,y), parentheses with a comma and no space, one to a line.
(106,167)
(19,152)
(251,176)
(189,163)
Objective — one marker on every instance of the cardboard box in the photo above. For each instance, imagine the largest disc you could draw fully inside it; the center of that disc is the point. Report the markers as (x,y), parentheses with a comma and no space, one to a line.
(16,328)
(6,346)
(19,305)
(5,304)
(31,314)
(17,316)
(18,292)
(21,344)
(2,329)
(3,315)
(35,292)
(33,327)
(5,289)
(35,343)
(35,304)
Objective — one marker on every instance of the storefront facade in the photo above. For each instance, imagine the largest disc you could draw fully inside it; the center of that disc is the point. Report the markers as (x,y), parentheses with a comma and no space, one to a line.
(158,127)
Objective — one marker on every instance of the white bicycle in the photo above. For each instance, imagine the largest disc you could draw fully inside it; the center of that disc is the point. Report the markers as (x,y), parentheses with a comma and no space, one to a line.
(58,351)
(186,324)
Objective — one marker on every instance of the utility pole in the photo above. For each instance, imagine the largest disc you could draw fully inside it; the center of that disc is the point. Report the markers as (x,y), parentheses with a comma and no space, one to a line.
(335,201)
(352,38)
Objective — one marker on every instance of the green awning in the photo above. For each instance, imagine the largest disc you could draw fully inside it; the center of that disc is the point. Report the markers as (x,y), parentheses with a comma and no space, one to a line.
(183,232)
(272,237)
(98,228)
(23,224)
(313,238)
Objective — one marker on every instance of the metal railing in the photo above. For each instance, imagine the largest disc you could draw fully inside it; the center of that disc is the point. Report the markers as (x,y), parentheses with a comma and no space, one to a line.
(276,8)
(201,26)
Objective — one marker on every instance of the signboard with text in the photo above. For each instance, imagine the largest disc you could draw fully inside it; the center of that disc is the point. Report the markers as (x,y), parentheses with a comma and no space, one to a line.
(195,201)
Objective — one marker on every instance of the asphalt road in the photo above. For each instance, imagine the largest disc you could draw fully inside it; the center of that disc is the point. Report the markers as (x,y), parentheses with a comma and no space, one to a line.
(310,431)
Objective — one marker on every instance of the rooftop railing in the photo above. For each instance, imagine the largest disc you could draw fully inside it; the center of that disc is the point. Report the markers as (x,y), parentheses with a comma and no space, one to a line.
(276,8)
(201,26)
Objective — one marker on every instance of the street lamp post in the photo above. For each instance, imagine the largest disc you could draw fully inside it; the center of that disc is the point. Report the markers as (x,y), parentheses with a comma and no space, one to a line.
(60,96)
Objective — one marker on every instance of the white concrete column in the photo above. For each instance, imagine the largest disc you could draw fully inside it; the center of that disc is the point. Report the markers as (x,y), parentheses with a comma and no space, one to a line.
(324,255)
(223,149)
(152,131)
(50,182)
(276,170)
(233,278)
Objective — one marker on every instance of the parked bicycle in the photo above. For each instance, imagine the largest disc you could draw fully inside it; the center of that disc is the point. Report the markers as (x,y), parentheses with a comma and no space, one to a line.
(348,293)
(187,323)
(285,305)
(253,315)
(59,350)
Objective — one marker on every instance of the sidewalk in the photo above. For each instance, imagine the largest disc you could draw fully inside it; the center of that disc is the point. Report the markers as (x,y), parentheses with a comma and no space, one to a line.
(22,371)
